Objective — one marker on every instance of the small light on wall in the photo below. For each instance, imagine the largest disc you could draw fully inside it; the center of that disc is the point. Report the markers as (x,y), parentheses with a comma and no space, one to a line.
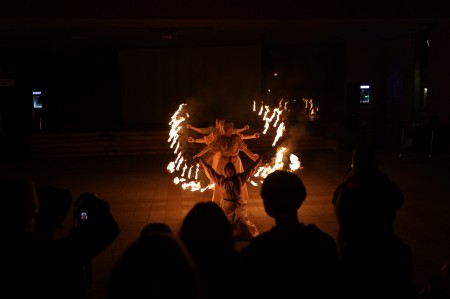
(364,94)
(37,102)
(425,96)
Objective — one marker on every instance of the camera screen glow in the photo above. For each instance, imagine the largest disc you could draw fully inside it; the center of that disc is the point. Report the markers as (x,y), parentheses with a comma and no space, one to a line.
(83,216)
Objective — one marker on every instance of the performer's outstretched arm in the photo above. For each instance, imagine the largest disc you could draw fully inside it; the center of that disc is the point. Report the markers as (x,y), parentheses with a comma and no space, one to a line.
(250,154)
(196,140)
(210,172)
(244,128)
(249,136)
(203,151)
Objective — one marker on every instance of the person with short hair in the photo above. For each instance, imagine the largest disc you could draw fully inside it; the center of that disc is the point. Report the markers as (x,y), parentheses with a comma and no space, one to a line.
(292,259)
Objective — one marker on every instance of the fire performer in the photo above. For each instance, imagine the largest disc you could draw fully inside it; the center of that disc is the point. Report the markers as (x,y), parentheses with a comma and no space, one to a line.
(212,132)
(230,187)
(226,148)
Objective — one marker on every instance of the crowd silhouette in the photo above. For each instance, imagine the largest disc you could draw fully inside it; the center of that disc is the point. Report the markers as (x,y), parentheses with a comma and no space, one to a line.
(208,236)
(291,258)
(155,265)
(201,260)
(36,263)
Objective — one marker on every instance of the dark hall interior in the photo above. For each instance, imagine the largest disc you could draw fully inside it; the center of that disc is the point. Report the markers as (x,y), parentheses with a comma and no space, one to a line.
(120,67)
(92,86)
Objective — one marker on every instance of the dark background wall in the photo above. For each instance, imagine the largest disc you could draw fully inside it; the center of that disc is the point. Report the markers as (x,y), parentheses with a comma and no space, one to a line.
(80,90)
(213,81)
(139,88)
(133,89)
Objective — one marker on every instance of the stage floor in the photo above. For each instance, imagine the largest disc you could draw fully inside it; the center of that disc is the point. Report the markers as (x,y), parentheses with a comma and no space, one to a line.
(141,190)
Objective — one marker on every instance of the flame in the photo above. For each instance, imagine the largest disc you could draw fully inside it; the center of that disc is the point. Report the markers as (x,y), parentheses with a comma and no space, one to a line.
(311,108)
(171,167)
(295,162)
(280,132)
(276,115)
(188,173)
(175,122)
(192,185)
(195,186)
(261,109)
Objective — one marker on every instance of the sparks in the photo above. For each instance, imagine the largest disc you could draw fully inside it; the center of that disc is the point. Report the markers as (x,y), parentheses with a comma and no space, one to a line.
(188,173)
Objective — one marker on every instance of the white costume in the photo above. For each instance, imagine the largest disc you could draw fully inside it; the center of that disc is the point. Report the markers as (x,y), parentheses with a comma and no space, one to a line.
(231,194)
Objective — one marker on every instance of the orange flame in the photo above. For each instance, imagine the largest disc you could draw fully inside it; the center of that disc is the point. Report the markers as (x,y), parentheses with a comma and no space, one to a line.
(189,174)
(280,132)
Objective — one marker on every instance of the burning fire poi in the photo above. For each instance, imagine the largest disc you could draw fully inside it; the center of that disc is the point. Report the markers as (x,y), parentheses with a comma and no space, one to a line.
(188,171)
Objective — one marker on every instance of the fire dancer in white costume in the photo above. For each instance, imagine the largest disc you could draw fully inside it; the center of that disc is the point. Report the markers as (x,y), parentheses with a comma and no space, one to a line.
(229,188)
(211,134)
(226,148)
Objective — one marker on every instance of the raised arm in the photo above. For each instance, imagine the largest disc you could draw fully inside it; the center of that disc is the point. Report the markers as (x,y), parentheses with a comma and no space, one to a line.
(249,136)
(206,149)
(196,140)
(250,170)
(204,131)
(250,154)
(210,172)
(244,128)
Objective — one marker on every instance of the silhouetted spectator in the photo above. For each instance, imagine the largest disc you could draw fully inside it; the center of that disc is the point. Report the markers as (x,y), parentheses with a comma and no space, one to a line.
(156,265)
(208,236)
(438,285)
(364,172)
(373,261)
(27,267)
(291,259)
(94,230)
(156,227)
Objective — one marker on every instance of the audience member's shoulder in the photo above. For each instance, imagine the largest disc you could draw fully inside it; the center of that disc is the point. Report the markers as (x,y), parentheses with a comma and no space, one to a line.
(314,230)
(262,238)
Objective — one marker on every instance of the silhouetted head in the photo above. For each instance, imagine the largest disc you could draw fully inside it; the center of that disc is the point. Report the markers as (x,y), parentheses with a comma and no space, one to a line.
(282,192)
(363,159)
(206,226)
(156,227)
(156,265)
